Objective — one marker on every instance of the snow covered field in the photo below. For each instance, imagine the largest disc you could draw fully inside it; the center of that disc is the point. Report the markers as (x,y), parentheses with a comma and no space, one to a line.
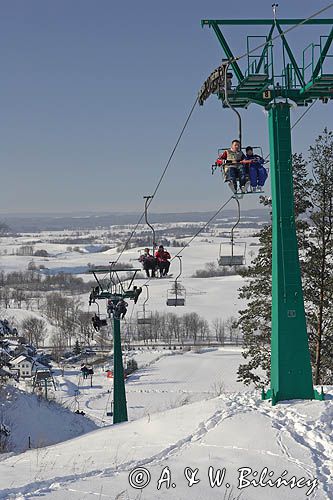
(166,379)
(209,297)
(230,432)
(187,412)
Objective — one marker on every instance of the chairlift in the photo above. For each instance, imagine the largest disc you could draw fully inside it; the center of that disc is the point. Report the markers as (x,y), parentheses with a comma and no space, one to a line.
(224,172)
(233,258)
(224,76)
(147,203)
(110,413)
(144,317)
(102,317)
(176,295)
(114,288)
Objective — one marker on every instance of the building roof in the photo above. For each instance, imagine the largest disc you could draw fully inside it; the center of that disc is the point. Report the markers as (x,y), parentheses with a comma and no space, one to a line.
(21,358)
(5,373)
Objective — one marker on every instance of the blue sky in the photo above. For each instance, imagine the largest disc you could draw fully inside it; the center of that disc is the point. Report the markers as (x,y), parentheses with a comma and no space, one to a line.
(93,95)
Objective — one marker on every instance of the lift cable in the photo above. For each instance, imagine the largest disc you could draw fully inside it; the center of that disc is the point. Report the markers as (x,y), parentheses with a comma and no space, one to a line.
(279,35)
(204,226)
(161,177)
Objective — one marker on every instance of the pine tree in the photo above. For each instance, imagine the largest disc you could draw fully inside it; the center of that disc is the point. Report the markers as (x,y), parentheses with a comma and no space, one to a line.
(77,348)
(318,271)
(255,319)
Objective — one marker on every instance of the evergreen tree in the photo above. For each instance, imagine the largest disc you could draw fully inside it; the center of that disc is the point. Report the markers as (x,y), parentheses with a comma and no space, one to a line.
(318,271)
(255,319)
(77,348)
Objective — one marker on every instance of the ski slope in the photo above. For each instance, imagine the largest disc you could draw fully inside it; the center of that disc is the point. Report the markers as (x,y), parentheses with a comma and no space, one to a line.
(231,431)
(166,379)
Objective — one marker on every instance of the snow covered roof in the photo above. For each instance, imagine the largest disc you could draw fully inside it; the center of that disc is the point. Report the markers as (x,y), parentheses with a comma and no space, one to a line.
(19,359)
(5,373)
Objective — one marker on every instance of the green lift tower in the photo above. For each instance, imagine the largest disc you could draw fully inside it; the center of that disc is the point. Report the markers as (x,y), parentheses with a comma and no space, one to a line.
(276,91)
(113,287)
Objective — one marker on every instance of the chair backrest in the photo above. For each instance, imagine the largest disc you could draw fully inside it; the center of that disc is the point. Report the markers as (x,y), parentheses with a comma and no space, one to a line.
(176,302)
(231,260)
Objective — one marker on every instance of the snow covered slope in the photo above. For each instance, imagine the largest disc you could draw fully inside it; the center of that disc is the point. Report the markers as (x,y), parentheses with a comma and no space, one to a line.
(45,422)
(233,431)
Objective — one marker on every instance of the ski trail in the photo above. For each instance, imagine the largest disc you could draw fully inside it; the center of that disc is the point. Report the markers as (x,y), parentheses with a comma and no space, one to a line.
(313,435)
(43,486)
(310,434)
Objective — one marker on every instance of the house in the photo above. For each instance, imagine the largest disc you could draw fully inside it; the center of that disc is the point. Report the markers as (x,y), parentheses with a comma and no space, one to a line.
(23,365)
(5,357)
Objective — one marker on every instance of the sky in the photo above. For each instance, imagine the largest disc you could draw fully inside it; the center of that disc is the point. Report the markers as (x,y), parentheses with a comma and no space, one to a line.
(93,95)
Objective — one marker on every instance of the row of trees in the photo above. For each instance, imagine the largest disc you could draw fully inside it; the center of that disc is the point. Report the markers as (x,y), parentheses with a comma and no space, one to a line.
(32,280)
(314,221)
(189,327)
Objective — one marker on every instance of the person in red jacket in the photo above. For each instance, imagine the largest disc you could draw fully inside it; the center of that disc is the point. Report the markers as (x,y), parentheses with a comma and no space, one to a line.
(163,257)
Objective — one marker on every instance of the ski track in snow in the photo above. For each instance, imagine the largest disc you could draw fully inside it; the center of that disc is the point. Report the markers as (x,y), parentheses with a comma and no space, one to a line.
(305,432)
(42,487)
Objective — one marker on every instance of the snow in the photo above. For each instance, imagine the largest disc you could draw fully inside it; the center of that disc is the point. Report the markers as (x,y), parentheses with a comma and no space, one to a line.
(186,409)
(17,316)
(44,422)
(158,385)
(232,431)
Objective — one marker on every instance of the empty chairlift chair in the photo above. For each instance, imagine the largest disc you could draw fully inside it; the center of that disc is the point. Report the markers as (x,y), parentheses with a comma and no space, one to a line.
(144,316)
(233,257)
(177,294)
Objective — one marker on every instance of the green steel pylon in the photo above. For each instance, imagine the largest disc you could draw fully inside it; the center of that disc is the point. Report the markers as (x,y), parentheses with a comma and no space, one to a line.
(291,374)
(110,286)
(119,395)
(266,85)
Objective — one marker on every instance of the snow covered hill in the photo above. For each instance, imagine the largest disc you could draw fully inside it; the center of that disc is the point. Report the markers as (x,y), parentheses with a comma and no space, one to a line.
(233,431)
(45,422)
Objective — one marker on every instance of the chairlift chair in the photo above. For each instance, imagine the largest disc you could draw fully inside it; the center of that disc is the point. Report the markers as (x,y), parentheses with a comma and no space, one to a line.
(102,317)
(233,258)
(176,295)
(224,172)
(229,259)
(144,316)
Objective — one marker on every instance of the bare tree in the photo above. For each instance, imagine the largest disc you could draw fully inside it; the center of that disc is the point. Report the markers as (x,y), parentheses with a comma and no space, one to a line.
(35,329)
(219,330)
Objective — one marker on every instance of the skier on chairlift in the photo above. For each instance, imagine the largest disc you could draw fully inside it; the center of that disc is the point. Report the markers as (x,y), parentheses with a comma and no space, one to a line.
(93,295)
(163,264)
(234,169)
(121,309)
(96,321)
(257,171)
(148,262)
(137,291)
(110,308)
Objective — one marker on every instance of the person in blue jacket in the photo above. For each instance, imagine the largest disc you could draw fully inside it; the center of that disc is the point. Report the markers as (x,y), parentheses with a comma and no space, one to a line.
(257,171)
